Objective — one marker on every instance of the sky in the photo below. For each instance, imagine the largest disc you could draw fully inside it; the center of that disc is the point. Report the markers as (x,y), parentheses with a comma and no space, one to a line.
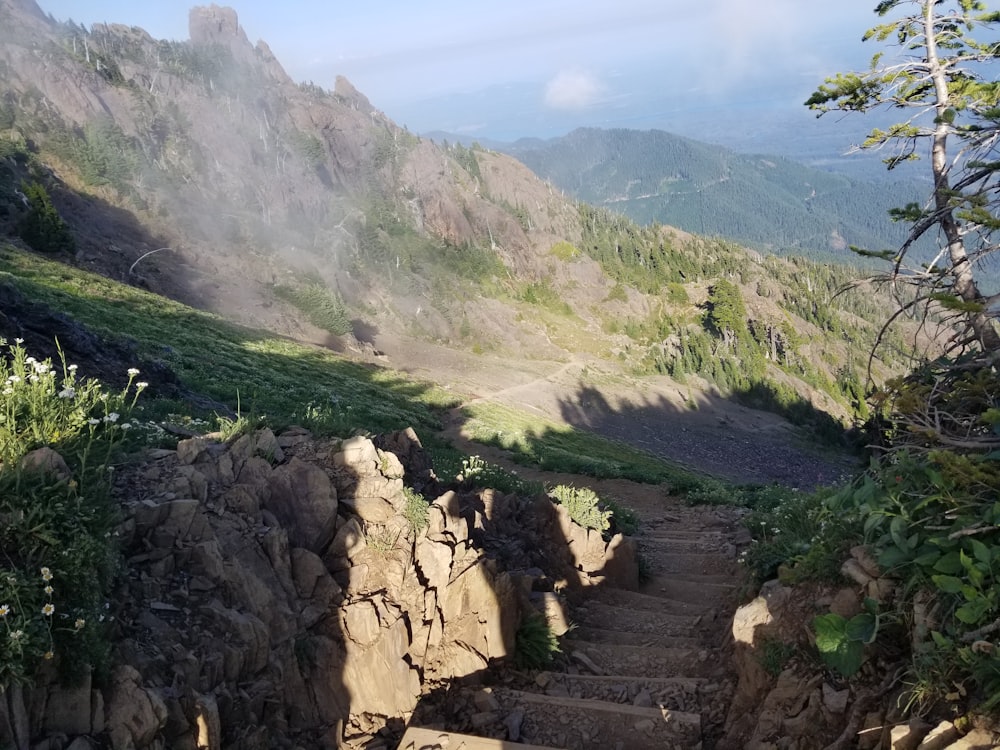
(726,69)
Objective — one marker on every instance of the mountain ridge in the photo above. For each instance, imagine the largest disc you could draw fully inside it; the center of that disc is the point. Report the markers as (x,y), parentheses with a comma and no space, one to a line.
(200,171)
(768,201)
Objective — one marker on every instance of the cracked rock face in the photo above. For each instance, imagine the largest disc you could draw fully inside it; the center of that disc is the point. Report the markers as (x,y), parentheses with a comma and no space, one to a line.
(274,592)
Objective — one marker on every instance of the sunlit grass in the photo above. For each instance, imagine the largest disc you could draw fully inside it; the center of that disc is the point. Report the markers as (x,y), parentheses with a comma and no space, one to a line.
(279,379)
(558,447)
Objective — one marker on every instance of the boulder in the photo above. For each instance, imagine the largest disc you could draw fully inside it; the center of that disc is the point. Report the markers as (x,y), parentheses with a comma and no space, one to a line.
(134,714)
(305,503)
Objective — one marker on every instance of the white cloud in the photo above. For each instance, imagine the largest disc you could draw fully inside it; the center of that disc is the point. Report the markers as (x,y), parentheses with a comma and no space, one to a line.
(573,90)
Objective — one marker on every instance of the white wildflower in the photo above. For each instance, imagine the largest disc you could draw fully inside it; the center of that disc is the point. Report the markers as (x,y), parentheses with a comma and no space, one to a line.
(132,372)
(112,417)
(67,393)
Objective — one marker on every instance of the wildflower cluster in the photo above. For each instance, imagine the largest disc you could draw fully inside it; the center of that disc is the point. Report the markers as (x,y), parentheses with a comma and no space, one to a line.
(44,405)
(57,532)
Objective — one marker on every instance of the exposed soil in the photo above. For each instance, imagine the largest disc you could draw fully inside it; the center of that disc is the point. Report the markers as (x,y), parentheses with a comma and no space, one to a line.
(697,428)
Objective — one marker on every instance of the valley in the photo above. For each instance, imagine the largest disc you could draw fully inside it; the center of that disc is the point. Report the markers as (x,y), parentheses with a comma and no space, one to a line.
(318,432)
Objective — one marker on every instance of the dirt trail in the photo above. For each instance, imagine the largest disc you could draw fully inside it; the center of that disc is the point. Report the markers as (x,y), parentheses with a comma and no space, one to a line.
(695,428)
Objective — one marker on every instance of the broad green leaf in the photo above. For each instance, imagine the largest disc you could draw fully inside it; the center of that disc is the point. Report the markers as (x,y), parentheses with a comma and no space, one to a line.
(873,521)
(966,561)
(892,557)
(949,564)
(847,659)
(830,632)
(862,627)
(976,576)
(897,530)
(948,584)
(972,612)
(981,552)
(940,641)
(927,559)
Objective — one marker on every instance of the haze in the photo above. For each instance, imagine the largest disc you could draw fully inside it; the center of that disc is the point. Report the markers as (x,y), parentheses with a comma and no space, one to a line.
(728,71)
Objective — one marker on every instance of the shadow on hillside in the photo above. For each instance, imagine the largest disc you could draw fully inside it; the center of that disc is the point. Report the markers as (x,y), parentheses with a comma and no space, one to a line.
(711,434)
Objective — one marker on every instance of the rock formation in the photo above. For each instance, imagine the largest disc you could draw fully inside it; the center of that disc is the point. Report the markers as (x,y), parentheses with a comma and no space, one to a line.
(275,595)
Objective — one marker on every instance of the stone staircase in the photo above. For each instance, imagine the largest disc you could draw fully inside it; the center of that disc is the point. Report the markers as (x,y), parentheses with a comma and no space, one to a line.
(646,669)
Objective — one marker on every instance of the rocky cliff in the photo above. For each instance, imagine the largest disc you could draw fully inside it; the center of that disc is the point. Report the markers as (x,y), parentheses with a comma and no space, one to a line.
(247,179)
(282,591)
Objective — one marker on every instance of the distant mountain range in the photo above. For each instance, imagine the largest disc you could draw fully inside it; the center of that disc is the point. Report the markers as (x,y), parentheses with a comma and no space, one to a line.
(770,202)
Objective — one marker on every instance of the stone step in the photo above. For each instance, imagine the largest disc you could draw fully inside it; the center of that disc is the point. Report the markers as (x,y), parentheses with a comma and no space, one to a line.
(646,601)
(674,693)
(596,635)
(597,614)
(639,660)
(583,724)
(717,545)
(688,564)
(418,738)
(670,530)
(695,589)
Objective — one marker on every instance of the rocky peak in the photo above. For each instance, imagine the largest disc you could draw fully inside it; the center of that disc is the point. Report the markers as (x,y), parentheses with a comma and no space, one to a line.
(346,91)
(214,24)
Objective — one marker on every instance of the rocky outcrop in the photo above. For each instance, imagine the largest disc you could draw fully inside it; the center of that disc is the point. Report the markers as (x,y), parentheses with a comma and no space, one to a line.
(796,705)
(276,594)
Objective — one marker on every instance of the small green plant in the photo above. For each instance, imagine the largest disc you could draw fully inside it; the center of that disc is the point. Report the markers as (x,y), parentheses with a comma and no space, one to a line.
(799,531)
(416,509)
(564,251)
(623,520)
(774,655)
(677,294)
(535,643)
(230,428)
(381,539)
(583,506)
(477,472)
(841,642)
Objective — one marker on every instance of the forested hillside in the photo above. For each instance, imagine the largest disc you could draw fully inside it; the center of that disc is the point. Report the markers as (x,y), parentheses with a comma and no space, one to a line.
(770,202)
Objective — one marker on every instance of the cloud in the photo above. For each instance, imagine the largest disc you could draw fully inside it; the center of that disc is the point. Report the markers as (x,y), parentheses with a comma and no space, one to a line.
(573,90)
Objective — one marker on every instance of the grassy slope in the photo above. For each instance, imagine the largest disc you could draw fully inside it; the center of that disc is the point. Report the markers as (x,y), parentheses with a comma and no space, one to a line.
(288,382)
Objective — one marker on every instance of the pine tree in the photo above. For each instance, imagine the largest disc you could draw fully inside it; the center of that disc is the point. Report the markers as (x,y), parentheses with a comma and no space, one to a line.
(43,228)
(952,115)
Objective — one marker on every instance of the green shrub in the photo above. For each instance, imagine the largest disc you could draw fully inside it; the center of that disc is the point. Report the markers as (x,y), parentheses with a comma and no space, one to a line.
(43,228)
(623,520)
(564,251)
(535,643)
(323,307)
(583,506)
(416,509)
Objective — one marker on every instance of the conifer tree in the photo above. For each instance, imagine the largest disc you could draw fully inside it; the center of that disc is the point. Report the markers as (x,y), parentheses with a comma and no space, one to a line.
(43,228)
(936,75)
